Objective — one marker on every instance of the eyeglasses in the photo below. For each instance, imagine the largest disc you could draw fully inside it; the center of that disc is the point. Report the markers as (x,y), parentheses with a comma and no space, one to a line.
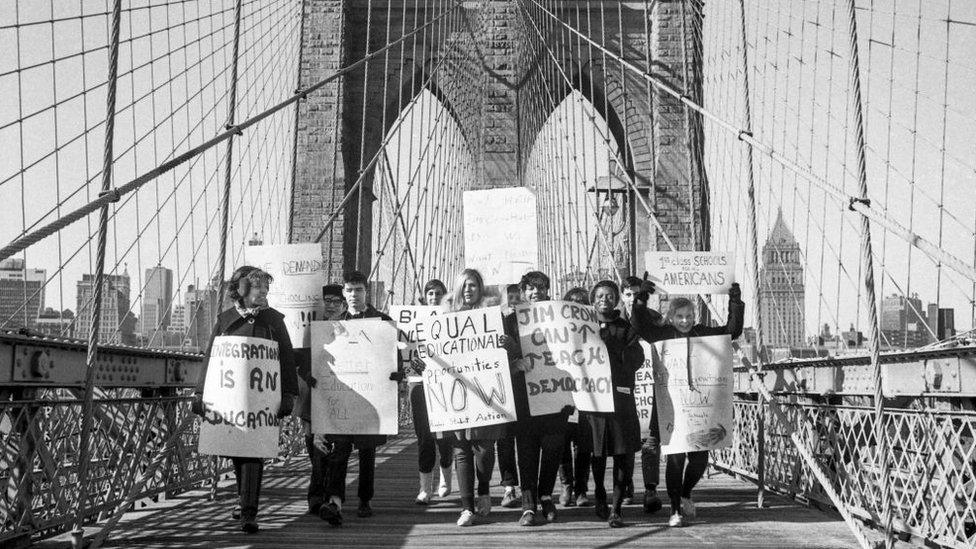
(334,300)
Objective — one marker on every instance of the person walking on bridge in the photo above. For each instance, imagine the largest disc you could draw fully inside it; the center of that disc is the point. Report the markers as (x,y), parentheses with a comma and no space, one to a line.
(429,445)
(574,470)
(683,470)
(251,317)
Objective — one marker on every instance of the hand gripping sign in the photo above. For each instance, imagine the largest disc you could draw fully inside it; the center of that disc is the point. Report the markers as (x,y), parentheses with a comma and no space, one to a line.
(351,364)
(241,395)
(693,386)
(567,362)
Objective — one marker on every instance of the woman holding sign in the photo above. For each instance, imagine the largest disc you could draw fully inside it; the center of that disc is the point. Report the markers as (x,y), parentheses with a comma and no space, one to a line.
(616,434)
(249,319)
(683,470)
(474,448)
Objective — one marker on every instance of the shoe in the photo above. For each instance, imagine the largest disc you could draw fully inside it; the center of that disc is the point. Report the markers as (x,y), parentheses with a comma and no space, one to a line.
(364,510)
(566,498)
(249,523)
(615,520)
(549,509)
(444,489)
(482,506)
(331,513)
(236,513)
(676,521)
(250,477)
(628,495)
(313,508)
(466,518)
(602,510)
(583,501)
(423,496)
(511,499)
(652,503)
(688,509)
(528,519)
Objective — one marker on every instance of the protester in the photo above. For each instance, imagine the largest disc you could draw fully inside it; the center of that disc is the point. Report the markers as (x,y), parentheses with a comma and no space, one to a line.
(539,439)
(616,434)
(333,305)
(574,469)
(631,286)
(683,470)
(338,448)
(474,448)
(251,317)
(507,463)
(429,445)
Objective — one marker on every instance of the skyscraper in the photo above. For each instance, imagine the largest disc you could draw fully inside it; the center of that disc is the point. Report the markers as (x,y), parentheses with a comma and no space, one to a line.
(117,325)
(156,308)
(21,294)
(781,289)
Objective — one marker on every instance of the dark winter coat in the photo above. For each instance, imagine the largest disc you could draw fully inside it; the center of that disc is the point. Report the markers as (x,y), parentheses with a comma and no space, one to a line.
(267,324)
(618,432)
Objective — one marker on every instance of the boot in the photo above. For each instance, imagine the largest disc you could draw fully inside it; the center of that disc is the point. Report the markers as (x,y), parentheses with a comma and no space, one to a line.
(251,473)
(426,484)
(444,489)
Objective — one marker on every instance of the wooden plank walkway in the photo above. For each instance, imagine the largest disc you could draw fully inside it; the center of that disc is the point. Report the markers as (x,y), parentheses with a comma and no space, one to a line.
(727,518)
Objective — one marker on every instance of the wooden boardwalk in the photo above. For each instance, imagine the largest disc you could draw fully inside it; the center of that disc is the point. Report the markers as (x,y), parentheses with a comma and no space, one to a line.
(727,518)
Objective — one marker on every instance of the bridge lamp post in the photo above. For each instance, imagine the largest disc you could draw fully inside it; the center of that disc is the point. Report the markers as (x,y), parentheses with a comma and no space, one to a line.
(607,190)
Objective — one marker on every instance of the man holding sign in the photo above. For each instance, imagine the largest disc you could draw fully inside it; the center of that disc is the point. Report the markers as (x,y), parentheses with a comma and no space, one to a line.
(344,375)
(248,385)
(679,323)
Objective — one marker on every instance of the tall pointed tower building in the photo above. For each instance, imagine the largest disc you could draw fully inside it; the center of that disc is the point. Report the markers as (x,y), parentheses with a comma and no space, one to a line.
(781,289)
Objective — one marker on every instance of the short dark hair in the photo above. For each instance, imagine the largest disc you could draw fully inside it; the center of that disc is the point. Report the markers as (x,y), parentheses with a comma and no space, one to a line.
(631,281)
(578,292)
(512,288)
(332,289)
(355,277)
(537,279)
(434,284)
(609,284)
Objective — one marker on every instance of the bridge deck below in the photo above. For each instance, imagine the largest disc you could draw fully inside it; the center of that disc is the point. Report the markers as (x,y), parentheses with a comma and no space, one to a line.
(727,518)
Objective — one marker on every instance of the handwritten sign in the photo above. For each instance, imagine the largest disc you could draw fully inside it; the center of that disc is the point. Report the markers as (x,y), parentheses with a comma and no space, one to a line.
(467,380)
(351,363)
(691,272)
(644,389)
(299,274)
(407,318)
(693,383)
(500,237)
(569,363)
(241,395)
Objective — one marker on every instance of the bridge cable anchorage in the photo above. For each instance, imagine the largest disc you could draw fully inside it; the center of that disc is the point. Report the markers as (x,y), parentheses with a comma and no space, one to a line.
(930,249)
(21,243)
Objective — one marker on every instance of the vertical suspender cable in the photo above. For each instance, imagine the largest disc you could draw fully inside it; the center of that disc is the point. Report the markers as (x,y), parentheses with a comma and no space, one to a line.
(867,260)
(84,450)
(228,156)
(298,115)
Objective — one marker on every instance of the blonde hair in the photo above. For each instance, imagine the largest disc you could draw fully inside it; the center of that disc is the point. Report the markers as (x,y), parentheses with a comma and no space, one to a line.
(457,297)
(677,304)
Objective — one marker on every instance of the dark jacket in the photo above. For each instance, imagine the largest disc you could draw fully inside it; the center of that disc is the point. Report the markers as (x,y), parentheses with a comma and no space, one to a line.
(619,432)
(648,323)
(367,441)
(267,324)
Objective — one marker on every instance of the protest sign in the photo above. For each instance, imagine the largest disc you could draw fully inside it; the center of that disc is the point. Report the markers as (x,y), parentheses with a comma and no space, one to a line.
(407,317)
(644,388)
(693,385)
(567,361)
(241,395)
(351,363)
(500,238)
(690,272)
(466,380)
(299,275)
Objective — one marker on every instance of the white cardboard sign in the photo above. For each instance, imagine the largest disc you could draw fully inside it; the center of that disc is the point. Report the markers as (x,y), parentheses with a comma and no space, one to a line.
(299,275)
(691,272)
(500,233)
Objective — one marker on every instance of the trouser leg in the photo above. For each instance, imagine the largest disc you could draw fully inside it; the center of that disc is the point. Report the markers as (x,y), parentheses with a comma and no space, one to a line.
(426,450)
(529,447)
(697,464)
(550,455)
(336,465)
(673,475)
(599,466)
(464,456)
(445,447)
(484,464)
(651,455)
(367,471)
(567,475)
(625,474)
(507,464)
(250,477)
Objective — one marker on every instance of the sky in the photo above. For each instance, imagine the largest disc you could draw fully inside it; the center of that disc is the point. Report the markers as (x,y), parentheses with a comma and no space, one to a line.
(917,76)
